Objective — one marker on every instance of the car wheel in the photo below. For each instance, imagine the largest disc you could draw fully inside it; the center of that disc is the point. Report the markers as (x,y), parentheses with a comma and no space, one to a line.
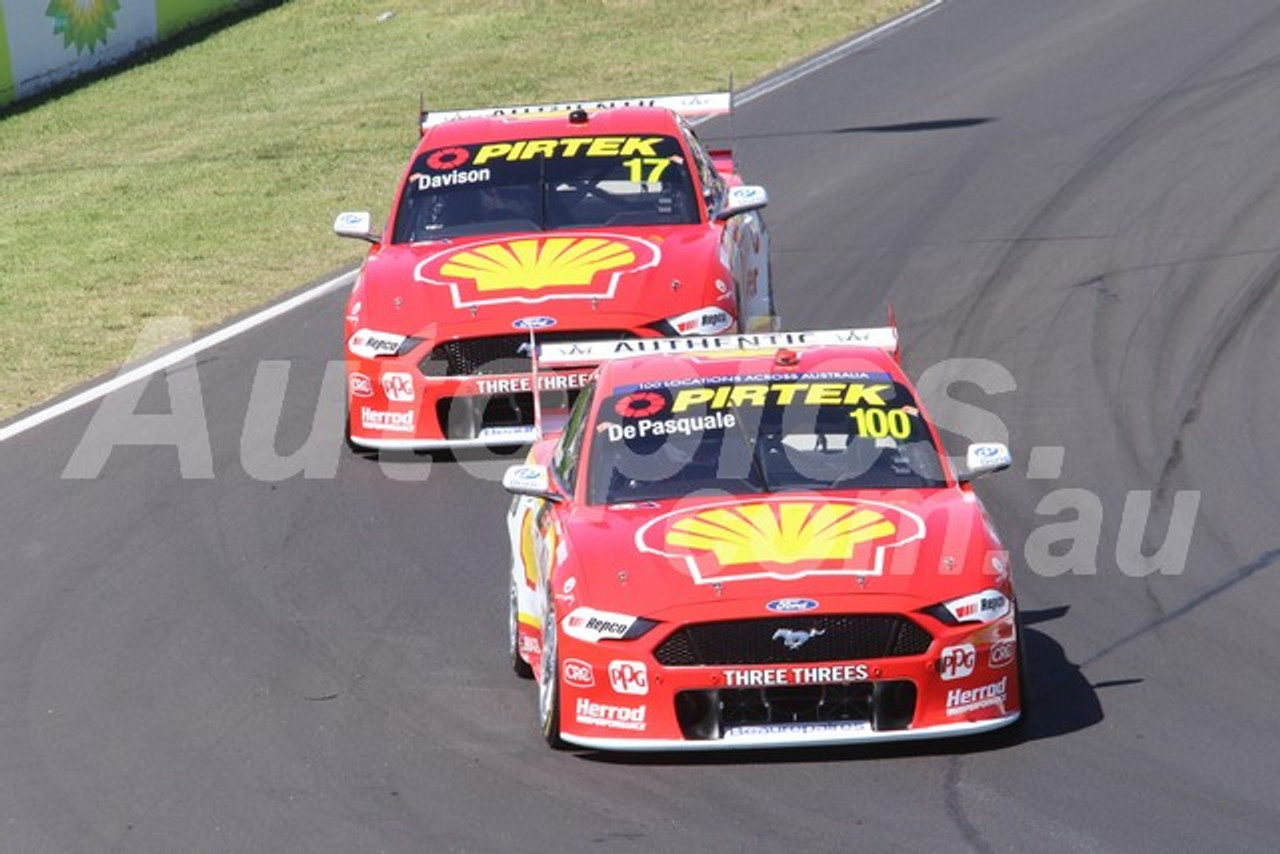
(1016,732)
(774,321)
(518,664)
(346,431)
(549,682)
(1020,671)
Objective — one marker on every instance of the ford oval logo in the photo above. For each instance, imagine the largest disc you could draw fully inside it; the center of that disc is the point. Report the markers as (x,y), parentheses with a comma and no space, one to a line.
(791,605)
(534,323)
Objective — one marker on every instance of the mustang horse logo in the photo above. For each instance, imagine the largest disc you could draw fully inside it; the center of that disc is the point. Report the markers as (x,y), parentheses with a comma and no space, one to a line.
(795,638)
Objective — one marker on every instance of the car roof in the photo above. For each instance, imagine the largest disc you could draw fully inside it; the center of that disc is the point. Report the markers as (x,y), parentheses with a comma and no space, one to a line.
(617,121)
(780,364)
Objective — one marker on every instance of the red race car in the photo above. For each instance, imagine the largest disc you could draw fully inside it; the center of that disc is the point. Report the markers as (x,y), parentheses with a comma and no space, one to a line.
(757,541)
(603,220)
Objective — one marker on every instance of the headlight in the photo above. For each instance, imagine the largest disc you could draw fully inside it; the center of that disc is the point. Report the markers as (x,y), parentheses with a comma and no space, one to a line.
(981,607)
(702,321)
(590,625)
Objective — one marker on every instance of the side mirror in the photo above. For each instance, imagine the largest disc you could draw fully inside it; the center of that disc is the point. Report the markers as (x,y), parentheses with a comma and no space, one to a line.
(357,224)
(530,480)
(743,199)
(985,458)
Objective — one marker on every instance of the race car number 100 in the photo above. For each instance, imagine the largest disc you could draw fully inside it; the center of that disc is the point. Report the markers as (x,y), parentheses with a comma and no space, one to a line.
(879,424)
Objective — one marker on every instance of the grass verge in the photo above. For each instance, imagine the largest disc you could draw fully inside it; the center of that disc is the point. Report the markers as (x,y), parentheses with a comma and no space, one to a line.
(205,182)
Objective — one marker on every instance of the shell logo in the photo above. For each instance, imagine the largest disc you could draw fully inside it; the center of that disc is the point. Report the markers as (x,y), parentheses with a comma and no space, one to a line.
(781,538)
(536,269)
(528,556)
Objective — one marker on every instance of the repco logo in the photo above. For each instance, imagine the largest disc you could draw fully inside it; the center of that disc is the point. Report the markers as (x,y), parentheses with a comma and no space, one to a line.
(957,662)
(578,673)
(629,677)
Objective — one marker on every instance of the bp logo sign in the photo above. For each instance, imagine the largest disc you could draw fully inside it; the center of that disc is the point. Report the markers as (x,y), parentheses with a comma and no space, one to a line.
(83,23)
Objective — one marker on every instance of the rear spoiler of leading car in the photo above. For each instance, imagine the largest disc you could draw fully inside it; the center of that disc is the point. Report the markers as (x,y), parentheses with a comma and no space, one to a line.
(692,106)
(552,355)
(582,354)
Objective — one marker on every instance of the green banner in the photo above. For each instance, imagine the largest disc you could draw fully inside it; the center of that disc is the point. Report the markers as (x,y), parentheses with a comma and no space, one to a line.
(6,70)
(175,15)
(47,41)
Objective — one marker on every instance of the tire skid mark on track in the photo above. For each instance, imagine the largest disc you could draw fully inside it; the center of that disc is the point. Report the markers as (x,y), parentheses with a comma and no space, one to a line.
(955,808)
(1100,158)
(1224,333)
(1243,573)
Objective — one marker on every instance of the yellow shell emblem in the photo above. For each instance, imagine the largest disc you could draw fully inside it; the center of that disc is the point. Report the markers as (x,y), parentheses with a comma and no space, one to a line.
(780,533)
(538,268)
(532,265)
(780,538)
(528,556)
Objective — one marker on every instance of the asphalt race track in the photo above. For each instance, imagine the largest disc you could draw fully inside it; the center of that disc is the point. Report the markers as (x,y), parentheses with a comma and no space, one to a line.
(1079,200)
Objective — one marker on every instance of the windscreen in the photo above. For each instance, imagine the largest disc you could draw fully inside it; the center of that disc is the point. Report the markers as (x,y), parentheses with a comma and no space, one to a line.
(827,431)
(545,184)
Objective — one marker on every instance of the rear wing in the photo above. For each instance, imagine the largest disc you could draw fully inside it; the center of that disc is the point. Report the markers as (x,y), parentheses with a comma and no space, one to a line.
(580,353)
(692,106)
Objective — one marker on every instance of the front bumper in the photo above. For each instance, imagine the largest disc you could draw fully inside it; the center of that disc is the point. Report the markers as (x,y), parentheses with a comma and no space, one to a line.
(962,680)
(392,406)
(798,737)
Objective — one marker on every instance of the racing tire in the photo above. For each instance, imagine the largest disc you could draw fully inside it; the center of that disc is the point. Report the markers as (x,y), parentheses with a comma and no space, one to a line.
(1016,732)
(346,429)
(346,433)
(775,322)
(1020,671)
(549,682)
(518,664)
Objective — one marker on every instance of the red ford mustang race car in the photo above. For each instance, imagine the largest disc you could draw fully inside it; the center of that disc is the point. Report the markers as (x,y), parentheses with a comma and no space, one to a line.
(607,220)
(757,541)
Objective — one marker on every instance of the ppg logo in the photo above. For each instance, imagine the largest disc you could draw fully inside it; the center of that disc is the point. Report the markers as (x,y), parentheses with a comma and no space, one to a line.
(629,677)
(398,387)
(957,662)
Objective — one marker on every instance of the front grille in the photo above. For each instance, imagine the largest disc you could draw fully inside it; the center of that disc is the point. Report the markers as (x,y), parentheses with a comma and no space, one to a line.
(465,417)
(795,704)
(707,715)
(501,354)
(836,637)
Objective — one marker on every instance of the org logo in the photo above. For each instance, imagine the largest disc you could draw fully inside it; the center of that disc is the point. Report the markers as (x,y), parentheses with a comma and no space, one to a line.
(1003,653)
(360,385)
(578,674)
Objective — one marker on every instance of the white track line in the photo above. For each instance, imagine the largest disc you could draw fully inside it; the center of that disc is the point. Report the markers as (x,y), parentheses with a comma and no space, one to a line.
(836,54)
(147,369)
